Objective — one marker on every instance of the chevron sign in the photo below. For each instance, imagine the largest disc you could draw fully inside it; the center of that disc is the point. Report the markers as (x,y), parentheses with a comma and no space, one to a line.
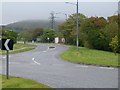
(6,44)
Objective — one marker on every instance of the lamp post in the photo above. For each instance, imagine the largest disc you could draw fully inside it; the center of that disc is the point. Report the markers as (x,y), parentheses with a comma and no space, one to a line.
(77,41)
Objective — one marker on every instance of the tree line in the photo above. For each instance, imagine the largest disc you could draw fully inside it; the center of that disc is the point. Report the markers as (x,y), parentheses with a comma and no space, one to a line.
(94,32)
(44,35)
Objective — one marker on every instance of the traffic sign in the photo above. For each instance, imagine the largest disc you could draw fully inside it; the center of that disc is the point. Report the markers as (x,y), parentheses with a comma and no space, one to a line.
(6,44)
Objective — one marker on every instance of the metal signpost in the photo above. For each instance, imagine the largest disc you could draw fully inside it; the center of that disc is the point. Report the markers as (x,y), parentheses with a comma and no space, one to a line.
(6,44)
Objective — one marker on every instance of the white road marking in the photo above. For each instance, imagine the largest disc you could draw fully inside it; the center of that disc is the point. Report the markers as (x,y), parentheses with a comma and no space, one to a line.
(33,58)
(3,57)
(81,66)
(35,61)
(44,51)
(106,68)
(84,66)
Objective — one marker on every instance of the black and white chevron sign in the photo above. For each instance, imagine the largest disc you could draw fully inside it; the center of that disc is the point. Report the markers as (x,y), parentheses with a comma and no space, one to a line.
(6,44)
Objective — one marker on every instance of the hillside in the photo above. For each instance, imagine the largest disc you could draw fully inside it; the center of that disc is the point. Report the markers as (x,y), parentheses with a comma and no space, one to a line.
(31,24)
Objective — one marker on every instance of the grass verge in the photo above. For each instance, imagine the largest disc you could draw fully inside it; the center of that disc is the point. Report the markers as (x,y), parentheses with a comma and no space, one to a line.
(17,82)
(19,48)
(90,56)
(20,45)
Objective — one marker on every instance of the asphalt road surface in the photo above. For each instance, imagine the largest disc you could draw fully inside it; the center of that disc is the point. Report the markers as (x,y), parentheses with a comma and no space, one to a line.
(44,65)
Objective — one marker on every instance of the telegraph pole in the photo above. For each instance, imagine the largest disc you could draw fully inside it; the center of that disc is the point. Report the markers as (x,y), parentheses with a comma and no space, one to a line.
(52,20)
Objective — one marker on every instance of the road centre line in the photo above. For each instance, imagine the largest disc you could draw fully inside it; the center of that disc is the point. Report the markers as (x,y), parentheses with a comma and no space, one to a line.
(81,66)
(45,51)
(35,61)
(33,58)
(3,57)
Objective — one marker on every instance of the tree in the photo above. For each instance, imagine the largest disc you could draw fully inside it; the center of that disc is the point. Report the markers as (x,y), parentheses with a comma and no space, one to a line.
(36,32)
(68,28)
(94,32)
(114,44)
(25,36)
(6,33)
(48,35)
(65,31)
(91,33)
(114,18)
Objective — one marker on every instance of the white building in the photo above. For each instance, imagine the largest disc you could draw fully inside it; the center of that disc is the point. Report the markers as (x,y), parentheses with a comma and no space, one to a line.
(59,40)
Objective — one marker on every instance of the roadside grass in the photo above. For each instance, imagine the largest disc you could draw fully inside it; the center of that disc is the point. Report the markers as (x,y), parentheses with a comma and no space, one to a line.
(19,45)
(17,82)
(90,56)
(20,48)
(0,81)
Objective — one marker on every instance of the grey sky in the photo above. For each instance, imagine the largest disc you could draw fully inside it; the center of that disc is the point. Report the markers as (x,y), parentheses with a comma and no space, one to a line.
(18,11)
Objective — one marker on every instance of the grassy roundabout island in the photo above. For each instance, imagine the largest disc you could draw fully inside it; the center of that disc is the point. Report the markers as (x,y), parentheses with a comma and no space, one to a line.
(90,56)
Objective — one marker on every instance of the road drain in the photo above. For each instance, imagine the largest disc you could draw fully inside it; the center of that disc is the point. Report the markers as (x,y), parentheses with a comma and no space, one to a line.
(51,47)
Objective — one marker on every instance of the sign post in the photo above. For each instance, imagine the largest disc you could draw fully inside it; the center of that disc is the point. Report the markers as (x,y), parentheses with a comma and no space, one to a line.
(6,44)
(7,65)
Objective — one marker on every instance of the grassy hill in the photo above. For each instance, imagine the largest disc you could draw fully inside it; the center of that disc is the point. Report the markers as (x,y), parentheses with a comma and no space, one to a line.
(31,24)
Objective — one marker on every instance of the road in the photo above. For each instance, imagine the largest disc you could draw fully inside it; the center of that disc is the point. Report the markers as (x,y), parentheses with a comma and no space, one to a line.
(44,65)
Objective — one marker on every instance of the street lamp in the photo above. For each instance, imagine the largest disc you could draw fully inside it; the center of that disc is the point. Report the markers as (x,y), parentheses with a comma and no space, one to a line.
(77,42)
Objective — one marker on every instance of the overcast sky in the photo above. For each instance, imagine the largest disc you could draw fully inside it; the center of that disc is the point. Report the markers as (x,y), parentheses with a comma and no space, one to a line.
(18,11)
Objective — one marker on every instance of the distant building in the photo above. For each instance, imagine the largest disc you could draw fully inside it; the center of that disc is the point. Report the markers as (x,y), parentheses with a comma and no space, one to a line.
(59,40)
